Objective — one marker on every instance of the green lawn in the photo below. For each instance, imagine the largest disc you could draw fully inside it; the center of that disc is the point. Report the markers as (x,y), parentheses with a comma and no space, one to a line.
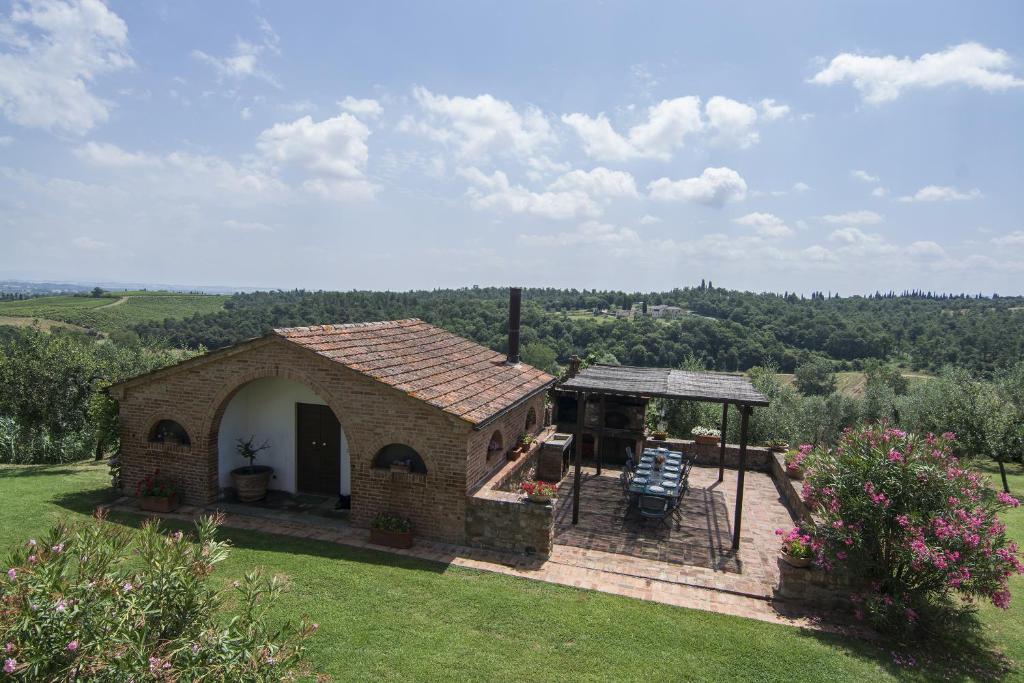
(109,313)
(383,616)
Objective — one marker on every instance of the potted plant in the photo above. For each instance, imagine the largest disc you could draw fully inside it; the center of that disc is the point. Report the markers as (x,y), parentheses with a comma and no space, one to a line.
(391,530)
(539,491)
(524,443)
(706,435)
(251,480)
(156,495)
(796,549)
(659,435)
(777,445)
(795,467)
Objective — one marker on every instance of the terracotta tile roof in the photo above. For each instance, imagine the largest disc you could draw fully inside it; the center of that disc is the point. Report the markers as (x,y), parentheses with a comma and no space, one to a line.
(443,369)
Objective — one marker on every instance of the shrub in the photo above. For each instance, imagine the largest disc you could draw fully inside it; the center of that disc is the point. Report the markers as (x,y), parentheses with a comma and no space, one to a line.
(815,378)
(389,522)
(900,512)
(100,602)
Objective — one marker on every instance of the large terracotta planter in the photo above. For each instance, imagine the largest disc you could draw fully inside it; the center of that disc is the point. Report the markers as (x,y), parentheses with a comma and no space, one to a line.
(161,504)
(794,472)
(799,562)
(707,440)
(391,539)
(251,482)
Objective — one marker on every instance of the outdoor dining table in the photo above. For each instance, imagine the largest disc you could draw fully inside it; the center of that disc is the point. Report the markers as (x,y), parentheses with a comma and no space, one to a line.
(664,481)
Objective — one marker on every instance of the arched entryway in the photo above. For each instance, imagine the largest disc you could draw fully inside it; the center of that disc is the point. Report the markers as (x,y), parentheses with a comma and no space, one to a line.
(308,448)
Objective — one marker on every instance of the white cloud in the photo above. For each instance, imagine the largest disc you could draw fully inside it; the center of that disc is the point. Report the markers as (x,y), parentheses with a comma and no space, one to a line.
(333,147)
(772,111)
(108,155)
(880,192)
(733,122)
(5,140)
(246,113)
(341,189)
(599,182)
(89,244)
(765,224)
(368,107)
(936,193)
(864,176)
(247,226)
(801,187)
(591,234)
(648,219)
(496,192)
(925,249)
(668,124)
(1012,239)
(882,79)
(715,186)
(853,218)
(856,241)
(480,126)
(54,51)
(244,61)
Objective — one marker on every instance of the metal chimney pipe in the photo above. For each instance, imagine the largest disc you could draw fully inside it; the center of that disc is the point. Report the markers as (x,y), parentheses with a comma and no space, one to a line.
(515,298)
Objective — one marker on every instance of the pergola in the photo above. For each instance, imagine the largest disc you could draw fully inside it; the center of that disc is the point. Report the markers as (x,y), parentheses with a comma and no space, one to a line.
(647,383)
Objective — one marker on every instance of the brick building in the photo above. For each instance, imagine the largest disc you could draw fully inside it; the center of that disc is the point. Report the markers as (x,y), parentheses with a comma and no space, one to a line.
(338,404)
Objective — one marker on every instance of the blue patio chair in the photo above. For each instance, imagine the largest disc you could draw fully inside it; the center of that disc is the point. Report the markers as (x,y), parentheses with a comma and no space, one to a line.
(653,507)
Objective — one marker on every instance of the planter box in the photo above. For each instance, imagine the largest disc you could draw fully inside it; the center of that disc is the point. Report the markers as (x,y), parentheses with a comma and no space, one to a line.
(159,503)
(707,440)
(798,562)
(391,539)
(251,482)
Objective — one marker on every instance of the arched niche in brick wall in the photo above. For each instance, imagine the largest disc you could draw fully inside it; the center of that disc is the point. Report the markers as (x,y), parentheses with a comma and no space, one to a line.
(399,456)
(168,432)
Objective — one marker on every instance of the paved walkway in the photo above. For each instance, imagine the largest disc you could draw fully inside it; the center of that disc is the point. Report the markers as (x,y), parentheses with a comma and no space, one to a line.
(716,581)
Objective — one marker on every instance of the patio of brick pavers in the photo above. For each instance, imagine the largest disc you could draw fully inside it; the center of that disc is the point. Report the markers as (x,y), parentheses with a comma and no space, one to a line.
(694,549)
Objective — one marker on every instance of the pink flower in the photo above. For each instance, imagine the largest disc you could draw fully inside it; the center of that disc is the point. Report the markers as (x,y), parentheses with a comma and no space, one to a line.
(32,559)
(127,587)
(949,436)
(9,665)
(58,548)
(61,605)
(1007,499)
(314,626)
(72,646)
(12,573)
(895,455)
(9,648)
(1001,599)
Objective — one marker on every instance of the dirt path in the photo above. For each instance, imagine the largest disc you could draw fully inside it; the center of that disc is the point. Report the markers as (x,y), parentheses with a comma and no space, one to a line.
(120,301)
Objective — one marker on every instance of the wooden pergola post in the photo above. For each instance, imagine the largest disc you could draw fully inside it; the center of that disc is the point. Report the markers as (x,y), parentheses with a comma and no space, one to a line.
(581,406)
(721,448)
(745,412)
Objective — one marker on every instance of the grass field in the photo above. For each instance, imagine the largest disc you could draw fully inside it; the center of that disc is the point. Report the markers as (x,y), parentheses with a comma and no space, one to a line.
(113,312)
(387,617)
(852,383)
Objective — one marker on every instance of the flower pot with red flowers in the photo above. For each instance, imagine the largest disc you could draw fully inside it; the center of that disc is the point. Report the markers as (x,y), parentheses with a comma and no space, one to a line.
(157,495)
(796,550)
(539,491)
(252,480)
(393,531)
(706,435)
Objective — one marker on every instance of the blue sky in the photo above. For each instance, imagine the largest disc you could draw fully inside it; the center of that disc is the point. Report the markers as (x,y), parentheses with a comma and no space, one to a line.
(765,146)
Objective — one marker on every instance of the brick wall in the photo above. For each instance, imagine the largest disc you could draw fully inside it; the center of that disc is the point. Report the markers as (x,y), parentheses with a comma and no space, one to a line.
(480,464)
(372,415)
(707,454)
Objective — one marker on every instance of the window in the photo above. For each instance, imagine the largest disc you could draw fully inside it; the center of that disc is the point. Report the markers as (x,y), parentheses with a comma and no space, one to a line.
(401,456)
(169,432)
(531,419)
(496,445)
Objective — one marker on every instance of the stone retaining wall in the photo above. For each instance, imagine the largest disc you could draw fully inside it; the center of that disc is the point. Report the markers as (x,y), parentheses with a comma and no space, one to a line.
(707,454)
(789,488)
(506,521)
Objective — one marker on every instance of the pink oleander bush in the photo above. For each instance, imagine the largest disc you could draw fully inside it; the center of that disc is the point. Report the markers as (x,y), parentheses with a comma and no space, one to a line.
(96,601)
(900,512)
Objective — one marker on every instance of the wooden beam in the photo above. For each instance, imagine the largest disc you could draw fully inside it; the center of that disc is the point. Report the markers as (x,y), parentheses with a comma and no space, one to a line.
(745,412)
(721,448)
(600,434)
(581,407)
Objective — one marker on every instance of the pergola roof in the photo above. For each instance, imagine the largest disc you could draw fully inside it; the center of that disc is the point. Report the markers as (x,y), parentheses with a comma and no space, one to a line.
(624,380)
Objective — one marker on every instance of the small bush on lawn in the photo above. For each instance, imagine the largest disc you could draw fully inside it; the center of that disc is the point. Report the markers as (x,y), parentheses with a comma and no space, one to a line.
(901,512)
(100,602)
